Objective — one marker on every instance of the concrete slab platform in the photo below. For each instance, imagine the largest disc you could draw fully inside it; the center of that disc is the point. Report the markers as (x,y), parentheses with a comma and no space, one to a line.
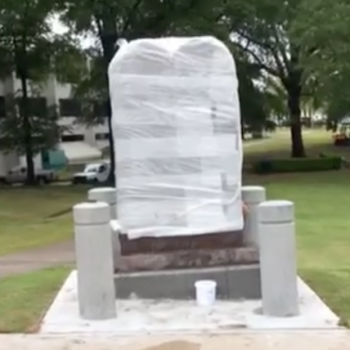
(275,340)
(265,340)
(141,316)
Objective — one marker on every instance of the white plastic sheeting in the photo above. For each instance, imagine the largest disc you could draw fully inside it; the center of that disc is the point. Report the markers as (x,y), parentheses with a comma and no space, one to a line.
(176,126)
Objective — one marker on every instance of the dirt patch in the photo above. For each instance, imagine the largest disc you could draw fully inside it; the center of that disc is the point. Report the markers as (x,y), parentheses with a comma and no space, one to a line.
(175,345)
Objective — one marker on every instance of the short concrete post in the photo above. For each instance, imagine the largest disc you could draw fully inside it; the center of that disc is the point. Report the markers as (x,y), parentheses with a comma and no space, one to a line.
(252,196)
(108,195)
(96,289)
(277,259)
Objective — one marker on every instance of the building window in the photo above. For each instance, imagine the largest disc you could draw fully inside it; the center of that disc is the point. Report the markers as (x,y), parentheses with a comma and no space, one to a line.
(36,106)
(4,143)
(101,136)
(2,107)
(72,138)
(69,107)
(101,109)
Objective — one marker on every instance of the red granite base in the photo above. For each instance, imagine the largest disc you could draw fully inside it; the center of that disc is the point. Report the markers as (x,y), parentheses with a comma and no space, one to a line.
(188,259)
(221,240)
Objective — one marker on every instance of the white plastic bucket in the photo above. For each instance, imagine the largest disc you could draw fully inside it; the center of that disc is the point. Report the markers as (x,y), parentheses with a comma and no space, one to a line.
(205,292)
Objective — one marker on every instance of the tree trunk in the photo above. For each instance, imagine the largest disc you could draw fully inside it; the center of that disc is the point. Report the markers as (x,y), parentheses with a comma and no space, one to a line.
(27,132)
(242,132)
(111,176)
(294,95)
(108,43)
(335,126)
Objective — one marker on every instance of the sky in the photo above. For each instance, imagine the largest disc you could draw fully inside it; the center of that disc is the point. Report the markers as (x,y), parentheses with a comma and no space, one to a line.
(59,28)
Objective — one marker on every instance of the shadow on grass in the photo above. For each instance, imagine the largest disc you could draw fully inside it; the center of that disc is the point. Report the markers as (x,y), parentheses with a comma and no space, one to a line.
(59,213)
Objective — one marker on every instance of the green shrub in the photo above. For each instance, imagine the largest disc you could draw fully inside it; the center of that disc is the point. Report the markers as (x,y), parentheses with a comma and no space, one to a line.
(297,165)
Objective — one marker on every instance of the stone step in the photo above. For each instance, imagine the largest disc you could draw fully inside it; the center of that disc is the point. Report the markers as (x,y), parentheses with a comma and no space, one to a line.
(233,283)
(167,244)
(187,258)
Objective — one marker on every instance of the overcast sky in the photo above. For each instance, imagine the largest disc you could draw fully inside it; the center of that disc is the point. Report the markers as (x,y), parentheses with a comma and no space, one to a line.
(59,28)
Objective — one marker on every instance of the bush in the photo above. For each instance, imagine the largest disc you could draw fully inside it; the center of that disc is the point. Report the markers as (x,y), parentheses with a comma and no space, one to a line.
(297,165)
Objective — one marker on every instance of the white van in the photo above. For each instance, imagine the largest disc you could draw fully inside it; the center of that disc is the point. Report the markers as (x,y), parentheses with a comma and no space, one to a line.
(92,173)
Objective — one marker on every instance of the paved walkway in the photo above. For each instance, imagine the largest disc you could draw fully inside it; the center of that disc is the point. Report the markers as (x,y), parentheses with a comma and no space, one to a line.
(268,340)
(37,259)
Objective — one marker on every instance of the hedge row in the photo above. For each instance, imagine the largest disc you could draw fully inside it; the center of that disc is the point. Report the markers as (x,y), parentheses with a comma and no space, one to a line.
(297,165)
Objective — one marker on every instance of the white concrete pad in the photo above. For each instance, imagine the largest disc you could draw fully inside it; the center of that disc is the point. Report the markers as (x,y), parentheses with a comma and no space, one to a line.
(262,340)
(136,316)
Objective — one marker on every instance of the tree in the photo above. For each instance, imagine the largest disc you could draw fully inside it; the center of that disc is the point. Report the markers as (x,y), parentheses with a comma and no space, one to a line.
(252,99)
(263,30)
(324,25)
(29,50)
(43,120)
(91,90)
(276,99)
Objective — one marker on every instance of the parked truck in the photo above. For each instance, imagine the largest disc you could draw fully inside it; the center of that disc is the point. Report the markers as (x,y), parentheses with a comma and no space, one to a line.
(19,175)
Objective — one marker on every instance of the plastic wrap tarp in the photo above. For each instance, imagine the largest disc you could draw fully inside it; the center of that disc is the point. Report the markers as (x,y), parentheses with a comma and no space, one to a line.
(177,137)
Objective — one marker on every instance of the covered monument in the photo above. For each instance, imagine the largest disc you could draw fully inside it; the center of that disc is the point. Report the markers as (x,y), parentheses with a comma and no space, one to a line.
(176,126)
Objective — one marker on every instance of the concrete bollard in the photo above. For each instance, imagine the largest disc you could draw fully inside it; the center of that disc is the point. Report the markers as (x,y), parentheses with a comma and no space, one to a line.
(96,289)
(277,259)
(252,196)
(108,195)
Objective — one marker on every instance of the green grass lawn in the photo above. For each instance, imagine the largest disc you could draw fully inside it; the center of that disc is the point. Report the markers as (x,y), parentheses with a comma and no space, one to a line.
(322,221)
(35,217)
(322,224)
(24,299)
(322,214)
(278,146)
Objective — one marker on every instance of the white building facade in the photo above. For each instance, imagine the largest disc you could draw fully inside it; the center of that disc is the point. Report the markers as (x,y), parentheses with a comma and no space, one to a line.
(78,141)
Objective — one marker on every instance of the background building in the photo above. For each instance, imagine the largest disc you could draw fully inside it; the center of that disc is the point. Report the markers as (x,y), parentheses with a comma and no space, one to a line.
(79,142)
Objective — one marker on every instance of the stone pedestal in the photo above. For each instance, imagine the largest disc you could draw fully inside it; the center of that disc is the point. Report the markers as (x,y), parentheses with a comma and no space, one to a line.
(170,244)
(188,259)
(186,252)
